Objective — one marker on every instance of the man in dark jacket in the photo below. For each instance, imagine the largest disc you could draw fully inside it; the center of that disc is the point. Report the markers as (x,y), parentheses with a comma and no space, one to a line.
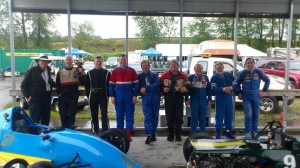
(96,87)
(174,85)
(37,88)
(67,82)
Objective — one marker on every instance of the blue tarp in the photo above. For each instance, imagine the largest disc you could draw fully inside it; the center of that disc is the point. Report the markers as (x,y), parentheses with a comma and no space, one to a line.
(76,52)
(151,52)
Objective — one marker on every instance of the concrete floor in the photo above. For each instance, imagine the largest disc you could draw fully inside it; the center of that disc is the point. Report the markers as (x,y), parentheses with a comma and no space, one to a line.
(158,154)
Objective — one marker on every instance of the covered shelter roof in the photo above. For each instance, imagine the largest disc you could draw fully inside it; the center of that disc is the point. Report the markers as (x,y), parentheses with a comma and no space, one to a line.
(247,51)
(209,8)
(76,52)
(151,52)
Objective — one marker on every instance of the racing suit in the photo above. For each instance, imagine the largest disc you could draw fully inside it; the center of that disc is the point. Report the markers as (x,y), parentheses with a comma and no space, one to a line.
(150,101)
(250,81)
(67,82)
(200,94)
(174,100)
(96,87)
(123,85)
(223,101)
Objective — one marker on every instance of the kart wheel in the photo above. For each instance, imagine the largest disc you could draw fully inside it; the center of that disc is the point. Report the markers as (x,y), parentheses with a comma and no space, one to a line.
(188,148)
(268,104)
(117,138)
(43,164)
(16,163)
(23,103)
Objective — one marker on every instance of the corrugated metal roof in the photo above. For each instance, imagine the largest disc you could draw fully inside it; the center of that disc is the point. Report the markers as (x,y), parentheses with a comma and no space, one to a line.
(246,8)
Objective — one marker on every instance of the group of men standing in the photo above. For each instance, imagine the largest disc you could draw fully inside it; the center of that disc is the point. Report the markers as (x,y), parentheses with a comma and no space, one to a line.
(198,90)
(123,85)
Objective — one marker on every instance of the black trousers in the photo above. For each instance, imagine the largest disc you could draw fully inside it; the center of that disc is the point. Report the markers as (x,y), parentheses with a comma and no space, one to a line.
(97,99)
(39,109)
(67,105)
(174,112)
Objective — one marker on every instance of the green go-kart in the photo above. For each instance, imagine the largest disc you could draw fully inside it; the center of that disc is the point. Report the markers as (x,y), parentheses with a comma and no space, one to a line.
(270,148)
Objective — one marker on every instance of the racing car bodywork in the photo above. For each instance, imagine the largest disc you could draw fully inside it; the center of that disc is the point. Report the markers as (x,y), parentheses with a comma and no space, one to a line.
(26,143)
(277,150)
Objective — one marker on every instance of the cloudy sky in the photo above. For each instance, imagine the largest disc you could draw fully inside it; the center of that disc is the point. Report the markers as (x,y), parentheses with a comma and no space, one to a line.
(105,26)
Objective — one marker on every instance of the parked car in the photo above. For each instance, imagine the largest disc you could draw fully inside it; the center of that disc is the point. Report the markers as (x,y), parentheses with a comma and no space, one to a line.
(82,102)
(136,66)
(112,63)
(138,69)
(88,66)
(277,68)
(7,72)
(268,104)
(24,143)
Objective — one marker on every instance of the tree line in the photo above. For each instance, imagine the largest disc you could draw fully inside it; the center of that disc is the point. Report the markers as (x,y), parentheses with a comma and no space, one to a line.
(35,31)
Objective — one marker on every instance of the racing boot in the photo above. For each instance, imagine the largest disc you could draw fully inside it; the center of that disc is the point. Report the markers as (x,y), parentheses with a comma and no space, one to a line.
(153,137)
(72,127)
(248,136)
(229,134)
(170,137)
(178,137)
(128,134)
(96,132)
(149,139)
(254,135)
(218,134)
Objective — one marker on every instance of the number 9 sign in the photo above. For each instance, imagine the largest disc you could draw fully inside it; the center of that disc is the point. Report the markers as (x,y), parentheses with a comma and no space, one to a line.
(289,161)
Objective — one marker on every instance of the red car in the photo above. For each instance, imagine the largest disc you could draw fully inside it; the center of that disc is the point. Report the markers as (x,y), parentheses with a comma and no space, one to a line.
(277,68)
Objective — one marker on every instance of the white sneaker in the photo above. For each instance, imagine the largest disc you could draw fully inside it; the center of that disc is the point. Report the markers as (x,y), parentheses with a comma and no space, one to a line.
(254,135)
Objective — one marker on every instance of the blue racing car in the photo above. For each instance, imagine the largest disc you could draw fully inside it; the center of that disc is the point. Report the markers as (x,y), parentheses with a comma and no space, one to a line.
(25,143)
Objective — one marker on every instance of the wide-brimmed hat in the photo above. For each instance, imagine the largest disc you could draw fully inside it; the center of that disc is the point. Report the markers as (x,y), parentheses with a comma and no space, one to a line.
(43,57)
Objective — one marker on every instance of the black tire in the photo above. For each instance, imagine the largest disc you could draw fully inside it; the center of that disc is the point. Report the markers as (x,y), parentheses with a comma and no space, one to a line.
(117,138)
(188,148)
(268,104)
(293,85)
(43,164)
(23,103)
(13,163)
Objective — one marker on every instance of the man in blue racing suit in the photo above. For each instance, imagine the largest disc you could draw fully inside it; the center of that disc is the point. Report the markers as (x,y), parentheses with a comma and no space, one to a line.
(250,80)
(222,86)
(149,87)
(123,89)
(200,98)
